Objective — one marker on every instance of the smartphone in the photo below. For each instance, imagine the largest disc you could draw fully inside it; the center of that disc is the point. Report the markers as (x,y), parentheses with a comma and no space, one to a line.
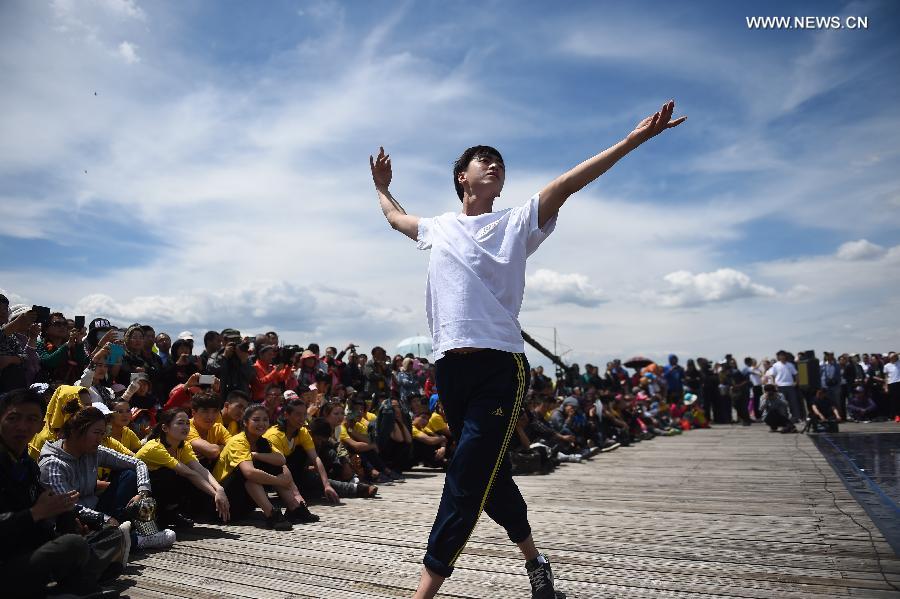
(116,352)
(136,376)
(120,336)
(206,379)
(79,322)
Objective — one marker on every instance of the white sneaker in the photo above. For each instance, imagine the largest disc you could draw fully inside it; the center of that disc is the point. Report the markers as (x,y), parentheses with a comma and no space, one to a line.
(158,540)
(125,527)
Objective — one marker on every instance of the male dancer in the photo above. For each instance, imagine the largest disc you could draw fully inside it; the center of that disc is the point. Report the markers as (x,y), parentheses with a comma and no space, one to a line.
(476,280)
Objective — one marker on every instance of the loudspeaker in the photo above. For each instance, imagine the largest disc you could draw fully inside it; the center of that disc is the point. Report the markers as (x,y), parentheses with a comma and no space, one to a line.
(808,374)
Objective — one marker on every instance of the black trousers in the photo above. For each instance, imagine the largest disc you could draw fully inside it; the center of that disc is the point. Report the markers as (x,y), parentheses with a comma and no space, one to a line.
(482,393)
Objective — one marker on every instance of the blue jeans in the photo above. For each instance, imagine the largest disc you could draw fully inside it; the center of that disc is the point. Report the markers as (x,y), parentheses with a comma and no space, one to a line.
(122,487)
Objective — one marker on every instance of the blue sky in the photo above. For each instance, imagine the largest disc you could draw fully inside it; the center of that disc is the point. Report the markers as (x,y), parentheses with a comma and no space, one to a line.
(203,164)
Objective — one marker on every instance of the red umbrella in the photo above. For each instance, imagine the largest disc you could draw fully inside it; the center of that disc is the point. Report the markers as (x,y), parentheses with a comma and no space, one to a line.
(638,362)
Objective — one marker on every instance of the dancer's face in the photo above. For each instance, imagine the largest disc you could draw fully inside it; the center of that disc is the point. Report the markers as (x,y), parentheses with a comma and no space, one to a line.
(485,175)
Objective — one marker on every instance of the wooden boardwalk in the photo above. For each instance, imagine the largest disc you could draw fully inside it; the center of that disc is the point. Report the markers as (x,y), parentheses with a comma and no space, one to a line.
(726,512)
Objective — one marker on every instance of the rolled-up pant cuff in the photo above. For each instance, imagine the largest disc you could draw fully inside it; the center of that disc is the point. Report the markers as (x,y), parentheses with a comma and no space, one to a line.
(517,536)
(439,568)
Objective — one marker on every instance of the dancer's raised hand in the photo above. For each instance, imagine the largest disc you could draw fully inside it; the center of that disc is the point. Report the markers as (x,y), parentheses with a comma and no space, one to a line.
(381,169)
(656,123)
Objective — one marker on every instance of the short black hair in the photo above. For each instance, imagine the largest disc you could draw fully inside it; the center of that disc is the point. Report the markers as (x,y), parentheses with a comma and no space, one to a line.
(209,336)
(206,400)
(319,427)
(237,393)
(465,158)
(18,397)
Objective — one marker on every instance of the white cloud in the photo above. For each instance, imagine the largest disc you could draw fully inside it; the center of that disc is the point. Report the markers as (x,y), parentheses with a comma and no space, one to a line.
(545,287)
(128,52)
(723,285)
(861,249)
(249,305)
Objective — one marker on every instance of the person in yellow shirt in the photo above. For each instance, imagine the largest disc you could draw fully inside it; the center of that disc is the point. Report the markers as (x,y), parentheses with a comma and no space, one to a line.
(64,403)
(291,438)
(119,429)
(430,448)
(236,403)
(248,464)
(207,434)
(175,472)
(356,437)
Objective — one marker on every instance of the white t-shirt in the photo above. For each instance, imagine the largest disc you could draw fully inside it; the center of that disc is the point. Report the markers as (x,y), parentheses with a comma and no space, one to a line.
(892,372)
(783,373)
(476,276)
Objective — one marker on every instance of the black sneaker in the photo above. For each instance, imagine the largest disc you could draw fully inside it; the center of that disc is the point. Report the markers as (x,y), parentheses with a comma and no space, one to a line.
(277,521)
(301,515)
(178,520)
(541,577)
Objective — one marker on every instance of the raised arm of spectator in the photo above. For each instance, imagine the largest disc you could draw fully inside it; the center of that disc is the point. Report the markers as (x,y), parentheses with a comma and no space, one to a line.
(393,211)
(554,195)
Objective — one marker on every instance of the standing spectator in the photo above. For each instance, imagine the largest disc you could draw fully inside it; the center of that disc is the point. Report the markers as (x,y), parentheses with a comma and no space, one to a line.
(231,364)
(709,387)
(831,379)
(784,375)
(267,374)
(212,342)
(754,375)
(875,386)
(674,375)
(13,356)
(378,377)
(892,385)
(163,346)
(407,381)
(61,350)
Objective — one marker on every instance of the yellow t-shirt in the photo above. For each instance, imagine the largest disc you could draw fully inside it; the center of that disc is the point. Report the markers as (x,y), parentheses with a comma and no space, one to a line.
(217,434)
(421,431)
(237,450)
(116,445)
(129,440)
(437,423)
(360,427)
(156,456)
(232,427)
(279,440)
(370,416)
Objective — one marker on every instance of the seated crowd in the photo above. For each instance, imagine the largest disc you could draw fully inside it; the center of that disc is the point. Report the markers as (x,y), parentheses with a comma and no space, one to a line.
(117,437)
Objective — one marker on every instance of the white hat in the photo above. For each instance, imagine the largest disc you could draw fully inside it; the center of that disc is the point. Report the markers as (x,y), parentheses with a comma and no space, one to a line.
(186,335)
(102,407)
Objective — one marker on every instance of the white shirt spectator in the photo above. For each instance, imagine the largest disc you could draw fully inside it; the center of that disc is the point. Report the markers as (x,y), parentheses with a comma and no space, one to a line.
(892,372)
(754,374)
(784,373)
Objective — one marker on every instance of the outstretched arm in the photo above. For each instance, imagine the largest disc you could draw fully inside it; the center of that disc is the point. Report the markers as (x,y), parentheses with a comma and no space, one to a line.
(393,211)
(554,195)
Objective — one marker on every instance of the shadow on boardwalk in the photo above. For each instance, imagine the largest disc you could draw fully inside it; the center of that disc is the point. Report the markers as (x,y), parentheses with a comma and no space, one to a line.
(726,512)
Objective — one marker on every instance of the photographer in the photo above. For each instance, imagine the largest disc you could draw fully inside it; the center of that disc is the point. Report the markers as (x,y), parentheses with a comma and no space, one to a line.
(182,365)
(377,373)
(61,351)
(231,364)
(13,352)
(776,410)
(267,374)
(823,409)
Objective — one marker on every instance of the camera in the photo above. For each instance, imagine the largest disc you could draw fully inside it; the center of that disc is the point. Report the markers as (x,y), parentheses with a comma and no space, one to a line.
(41,313)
